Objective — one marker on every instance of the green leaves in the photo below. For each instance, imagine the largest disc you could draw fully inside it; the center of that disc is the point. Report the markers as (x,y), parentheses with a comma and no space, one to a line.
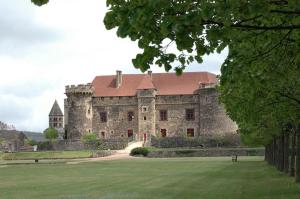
(39,2)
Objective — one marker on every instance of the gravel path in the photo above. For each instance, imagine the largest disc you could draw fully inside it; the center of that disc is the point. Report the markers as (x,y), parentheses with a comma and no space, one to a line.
(120,154)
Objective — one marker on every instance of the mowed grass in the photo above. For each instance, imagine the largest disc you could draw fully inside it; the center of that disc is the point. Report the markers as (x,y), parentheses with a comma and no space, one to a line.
(174,178)
(46,155)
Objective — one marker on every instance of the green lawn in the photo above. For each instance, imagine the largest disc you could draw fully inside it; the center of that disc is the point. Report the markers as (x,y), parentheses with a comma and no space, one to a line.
(46,155)
(182,178)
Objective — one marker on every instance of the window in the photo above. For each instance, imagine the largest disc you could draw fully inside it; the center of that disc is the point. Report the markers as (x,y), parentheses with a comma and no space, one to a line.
(163,133)
(144,108)
(103,134)
(163,115)
(89,111)
(103,117)
(145,118)
(55,119)
(130,116)
(130,133)
(190,114)
(190,132)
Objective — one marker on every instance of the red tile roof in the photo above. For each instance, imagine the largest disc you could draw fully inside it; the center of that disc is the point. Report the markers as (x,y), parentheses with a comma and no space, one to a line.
(164,83)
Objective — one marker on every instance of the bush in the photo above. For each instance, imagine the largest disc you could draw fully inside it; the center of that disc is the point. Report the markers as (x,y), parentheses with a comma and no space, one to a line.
(139,151)
(45,145)
(91,137)
(31,142)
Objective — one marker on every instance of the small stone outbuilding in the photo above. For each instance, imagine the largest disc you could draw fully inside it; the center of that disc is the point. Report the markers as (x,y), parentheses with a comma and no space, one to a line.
(12,140)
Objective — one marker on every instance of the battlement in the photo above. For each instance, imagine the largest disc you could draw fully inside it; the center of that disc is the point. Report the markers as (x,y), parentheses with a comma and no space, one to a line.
(82,89)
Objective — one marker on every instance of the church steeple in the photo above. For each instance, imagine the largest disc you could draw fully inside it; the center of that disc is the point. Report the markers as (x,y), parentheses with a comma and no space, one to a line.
(56,117)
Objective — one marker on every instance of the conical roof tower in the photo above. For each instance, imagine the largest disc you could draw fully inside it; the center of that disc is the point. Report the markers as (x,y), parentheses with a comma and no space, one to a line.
(55,111)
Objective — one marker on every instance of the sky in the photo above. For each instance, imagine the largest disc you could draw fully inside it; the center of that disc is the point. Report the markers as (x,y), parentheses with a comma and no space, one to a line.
(43,49)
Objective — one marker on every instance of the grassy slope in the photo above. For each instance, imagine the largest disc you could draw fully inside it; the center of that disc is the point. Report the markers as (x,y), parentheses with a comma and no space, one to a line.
(46,155)
(149,178)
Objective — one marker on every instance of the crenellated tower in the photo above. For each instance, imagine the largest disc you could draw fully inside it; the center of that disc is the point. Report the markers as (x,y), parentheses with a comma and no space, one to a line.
(78,111)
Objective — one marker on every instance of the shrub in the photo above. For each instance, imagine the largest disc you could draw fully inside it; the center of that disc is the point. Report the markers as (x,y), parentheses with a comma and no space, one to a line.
(31,142)
(89,137)
(139,151)
(45,145)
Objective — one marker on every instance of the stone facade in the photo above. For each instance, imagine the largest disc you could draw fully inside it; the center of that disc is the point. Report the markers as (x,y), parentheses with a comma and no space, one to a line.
(145,114)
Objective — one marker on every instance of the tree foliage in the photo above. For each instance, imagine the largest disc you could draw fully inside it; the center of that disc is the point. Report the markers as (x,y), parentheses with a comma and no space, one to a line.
(89,137)
(31,142)
(39,2)
(51,134)
(197,27)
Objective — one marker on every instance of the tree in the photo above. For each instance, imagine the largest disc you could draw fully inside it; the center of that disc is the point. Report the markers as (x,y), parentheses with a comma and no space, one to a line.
(51,134)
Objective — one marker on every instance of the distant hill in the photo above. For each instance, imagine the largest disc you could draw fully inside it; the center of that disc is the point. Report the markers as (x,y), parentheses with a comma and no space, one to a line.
(4,126)
(34,136)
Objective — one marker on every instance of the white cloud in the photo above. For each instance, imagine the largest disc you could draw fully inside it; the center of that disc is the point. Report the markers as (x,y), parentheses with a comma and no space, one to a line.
(42,49)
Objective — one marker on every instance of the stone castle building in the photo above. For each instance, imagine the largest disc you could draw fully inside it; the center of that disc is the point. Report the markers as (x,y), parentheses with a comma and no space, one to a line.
(139,106)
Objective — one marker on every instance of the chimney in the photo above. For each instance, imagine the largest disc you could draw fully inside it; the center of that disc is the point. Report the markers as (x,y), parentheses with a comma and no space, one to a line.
(150,73)
(118,78)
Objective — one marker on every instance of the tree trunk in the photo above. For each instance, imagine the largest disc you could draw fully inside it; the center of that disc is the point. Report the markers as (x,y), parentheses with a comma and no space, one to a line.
(286,152)
(280,152)
(267,153)
(297,169)
(276,152)
(293,152)
(273,152)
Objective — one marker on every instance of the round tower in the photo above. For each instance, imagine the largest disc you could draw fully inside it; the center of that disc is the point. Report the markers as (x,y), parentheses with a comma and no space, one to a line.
(79,110)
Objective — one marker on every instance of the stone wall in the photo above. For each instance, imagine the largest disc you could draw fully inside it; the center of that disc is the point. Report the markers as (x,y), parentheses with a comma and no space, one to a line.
(176,105)
(213,118)
(227,140)
(117,109)
(103,144)
(214,152)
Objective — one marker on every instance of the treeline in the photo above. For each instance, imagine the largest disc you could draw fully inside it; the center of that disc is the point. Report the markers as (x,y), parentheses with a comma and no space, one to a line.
(260,87)
(283,152)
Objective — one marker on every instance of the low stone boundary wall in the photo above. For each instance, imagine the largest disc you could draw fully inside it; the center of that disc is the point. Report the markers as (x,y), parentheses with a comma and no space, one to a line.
(103,144)
(228,140)
(210,152)
(104,153)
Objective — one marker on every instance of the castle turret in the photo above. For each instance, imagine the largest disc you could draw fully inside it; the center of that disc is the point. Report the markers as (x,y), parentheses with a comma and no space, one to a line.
(78,110)
(213,118)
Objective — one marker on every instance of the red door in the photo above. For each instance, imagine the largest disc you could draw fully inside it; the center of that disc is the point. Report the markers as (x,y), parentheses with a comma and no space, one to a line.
(130,133)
